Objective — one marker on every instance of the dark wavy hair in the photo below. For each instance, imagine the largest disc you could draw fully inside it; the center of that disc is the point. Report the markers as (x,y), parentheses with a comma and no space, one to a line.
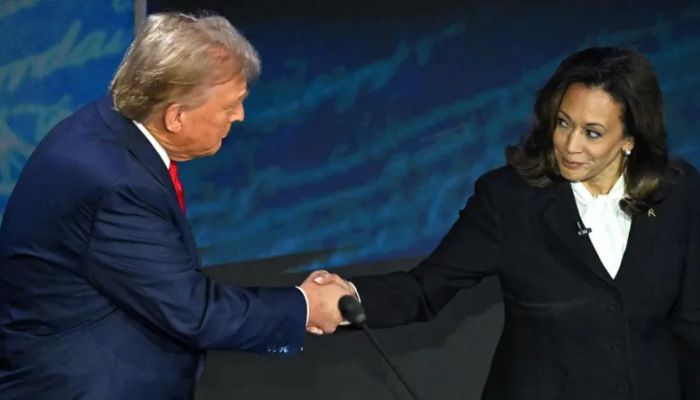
(629,79)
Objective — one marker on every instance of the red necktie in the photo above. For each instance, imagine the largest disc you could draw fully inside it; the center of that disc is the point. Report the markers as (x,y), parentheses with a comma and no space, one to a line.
(178,186)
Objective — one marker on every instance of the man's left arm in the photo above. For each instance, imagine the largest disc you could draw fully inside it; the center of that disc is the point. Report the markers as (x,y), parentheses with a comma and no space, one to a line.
(685,318)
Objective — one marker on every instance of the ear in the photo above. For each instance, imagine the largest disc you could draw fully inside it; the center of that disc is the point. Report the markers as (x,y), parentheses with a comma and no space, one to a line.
(628,144)
(173,117)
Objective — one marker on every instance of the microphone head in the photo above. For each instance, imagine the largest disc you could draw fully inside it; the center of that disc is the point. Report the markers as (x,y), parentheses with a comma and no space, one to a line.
(352,310)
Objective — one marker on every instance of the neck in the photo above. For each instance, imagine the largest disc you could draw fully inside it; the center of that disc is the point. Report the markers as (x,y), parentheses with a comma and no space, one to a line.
(162,136)
(601,184)
(605,180)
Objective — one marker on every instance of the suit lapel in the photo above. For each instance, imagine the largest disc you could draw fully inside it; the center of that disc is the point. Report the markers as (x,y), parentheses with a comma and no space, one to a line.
(640,243)
(142,149)
(560,216)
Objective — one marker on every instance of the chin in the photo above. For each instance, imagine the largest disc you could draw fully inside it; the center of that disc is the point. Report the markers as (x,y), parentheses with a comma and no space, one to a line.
(572,176)
(213,150)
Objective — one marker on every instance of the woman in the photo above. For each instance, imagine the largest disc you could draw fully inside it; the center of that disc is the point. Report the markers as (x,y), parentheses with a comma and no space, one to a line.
(594,233)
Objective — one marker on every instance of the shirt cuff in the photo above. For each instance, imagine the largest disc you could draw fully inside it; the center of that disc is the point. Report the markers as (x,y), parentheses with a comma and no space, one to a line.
(306,300)
(354,291)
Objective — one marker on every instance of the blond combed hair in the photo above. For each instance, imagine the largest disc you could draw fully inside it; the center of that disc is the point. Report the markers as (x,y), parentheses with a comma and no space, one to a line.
(175,58)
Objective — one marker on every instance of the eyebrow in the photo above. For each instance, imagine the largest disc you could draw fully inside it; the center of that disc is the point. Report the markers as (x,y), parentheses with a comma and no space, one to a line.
(590,124)
(237,99)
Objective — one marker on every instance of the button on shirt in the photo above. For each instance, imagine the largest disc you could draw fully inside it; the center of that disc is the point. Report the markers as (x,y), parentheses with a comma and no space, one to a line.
(610,226)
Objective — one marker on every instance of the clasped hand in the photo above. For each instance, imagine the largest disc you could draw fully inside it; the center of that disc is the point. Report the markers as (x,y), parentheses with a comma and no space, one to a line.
(323,290)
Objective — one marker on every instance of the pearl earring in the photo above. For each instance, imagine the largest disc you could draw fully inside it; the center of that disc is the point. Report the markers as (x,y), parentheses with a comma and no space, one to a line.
(627,152)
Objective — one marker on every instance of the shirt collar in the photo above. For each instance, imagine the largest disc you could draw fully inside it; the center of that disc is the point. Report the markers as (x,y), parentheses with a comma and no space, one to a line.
(159,149)
(617,192)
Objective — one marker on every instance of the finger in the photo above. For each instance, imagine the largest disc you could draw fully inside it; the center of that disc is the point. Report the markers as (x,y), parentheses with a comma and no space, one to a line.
(316,274)
(323,279)
(327,278)
(329,329)
(314,330)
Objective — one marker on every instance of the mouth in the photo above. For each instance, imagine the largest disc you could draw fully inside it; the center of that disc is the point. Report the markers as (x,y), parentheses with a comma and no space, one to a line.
(571,164)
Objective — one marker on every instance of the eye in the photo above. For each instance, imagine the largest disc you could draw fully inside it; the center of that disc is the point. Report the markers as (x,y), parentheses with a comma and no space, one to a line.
(593,134)
(562,122)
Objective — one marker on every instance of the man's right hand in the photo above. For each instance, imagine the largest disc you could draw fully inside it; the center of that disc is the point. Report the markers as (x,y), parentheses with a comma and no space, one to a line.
(323,290)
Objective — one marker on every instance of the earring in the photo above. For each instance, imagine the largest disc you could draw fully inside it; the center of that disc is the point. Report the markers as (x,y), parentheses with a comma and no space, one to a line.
(627,152)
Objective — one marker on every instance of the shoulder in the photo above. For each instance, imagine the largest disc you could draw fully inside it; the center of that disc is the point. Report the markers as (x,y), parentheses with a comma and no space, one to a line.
(685,168)
(502,180)
(681,173)
(501,189)
(82,118)
(680,182)
(83,154)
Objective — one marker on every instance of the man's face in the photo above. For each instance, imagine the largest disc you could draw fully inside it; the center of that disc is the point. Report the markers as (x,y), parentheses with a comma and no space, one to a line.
(204,126)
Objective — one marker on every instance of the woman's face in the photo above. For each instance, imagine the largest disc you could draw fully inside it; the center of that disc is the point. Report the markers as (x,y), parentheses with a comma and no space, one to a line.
(588,138)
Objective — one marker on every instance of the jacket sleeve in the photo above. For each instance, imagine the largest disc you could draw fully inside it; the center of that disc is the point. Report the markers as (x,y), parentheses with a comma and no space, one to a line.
(137,258)
(467,254)
(685,317)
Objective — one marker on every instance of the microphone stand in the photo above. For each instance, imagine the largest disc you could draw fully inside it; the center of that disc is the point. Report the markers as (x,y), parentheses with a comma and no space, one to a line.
(351,309)
(374,341)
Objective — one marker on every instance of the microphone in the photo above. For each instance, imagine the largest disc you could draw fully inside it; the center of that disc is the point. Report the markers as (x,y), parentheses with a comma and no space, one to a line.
(582,230)
(353,312)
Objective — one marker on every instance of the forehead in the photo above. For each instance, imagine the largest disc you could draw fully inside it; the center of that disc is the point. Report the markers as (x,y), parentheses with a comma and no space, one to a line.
(582,100)
(231,90)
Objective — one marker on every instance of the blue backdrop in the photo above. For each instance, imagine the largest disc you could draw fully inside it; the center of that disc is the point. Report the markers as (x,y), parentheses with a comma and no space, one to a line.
(55,57)
(369,123)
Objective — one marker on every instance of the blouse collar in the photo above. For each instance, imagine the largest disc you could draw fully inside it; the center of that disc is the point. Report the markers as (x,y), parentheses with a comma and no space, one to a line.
(585,197)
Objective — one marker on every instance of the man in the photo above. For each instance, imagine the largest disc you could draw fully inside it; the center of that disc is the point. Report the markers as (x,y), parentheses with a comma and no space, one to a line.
(100,291)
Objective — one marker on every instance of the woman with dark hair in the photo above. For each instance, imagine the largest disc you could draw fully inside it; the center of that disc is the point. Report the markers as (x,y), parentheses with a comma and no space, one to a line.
(628,79)
(594,233)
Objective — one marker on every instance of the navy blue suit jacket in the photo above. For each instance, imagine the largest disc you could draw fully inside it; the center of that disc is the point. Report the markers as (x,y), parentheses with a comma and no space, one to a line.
(100,290)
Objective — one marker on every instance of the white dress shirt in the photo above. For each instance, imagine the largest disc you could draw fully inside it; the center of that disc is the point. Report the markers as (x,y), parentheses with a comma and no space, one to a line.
(610,226)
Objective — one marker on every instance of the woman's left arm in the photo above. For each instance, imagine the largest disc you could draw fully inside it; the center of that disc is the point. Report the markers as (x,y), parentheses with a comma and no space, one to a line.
(686,314)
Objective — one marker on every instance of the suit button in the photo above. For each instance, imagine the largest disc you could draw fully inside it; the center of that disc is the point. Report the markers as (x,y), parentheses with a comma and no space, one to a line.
(614,306)
(623,387)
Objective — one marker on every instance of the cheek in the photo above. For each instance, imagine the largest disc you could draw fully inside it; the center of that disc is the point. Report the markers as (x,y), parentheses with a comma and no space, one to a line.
(224,127)
(604,154)
(225,121)
(558,141)
(217,125)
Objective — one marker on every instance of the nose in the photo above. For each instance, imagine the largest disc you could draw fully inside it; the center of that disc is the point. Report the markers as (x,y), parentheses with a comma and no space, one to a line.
(238,115)
(574,141)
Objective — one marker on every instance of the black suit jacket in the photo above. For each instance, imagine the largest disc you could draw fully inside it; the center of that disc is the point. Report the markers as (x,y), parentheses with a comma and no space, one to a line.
(571,331)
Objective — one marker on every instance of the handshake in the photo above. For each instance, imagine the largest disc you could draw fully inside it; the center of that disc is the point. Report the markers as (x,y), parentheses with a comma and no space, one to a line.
(323,291)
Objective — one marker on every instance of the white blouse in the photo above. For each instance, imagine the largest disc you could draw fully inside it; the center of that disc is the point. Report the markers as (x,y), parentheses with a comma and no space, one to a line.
(610,226)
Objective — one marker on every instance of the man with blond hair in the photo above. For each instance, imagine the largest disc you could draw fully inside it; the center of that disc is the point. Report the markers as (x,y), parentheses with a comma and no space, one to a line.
(101,294)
